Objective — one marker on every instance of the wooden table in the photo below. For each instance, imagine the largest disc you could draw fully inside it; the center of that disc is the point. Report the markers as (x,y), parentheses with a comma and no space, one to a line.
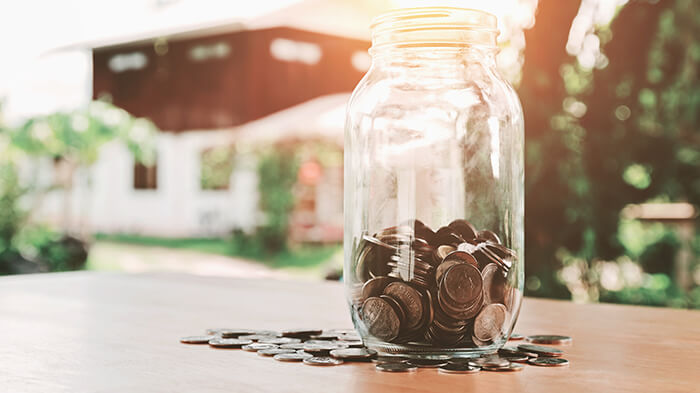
(103,332)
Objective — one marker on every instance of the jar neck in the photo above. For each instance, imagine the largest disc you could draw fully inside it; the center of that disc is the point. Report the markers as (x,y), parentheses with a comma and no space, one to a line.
(432,60)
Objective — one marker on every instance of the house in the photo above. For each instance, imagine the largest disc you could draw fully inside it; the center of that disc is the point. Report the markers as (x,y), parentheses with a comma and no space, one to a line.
(206,88)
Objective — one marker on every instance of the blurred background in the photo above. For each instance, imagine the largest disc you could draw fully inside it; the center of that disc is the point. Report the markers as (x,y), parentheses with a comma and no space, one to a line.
(206,137)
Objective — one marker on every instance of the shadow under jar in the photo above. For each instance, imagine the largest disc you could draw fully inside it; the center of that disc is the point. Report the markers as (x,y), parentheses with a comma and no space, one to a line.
(434,188)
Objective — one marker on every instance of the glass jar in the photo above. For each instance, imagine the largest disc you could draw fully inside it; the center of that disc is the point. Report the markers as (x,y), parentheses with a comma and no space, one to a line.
(434,188)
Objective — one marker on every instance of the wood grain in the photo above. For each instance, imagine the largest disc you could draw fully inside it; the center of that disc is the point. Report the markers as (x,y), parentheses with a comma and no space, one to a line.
(104,332)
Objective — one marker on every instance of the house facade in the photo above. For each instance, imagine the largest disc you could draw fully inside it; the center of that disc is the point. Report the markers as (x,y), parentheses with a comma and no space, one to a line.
(207,89)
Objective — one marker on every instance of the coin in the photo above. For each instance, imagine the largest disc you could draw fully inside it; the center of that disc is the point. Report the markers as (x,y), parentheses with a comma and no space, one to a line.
(428,363)
(234,333)
(458,368)
(510,367)
(381,319)
(375,286)
(516,336)
(322,361)
(494,284)
(488,325)
(274,351)
(442,251)
(465,229)
(396,367)
(549,339)
(228,342)
(541,350)
(487,235)
(549,362)
(354,354)
(410,301)
(256,337)
(389,359)
(254,347)
(325,336)
(462,283)
(294,346)
(300,333)
(319,349)
(489,361)
(291,357)
(279,340)
(196,339)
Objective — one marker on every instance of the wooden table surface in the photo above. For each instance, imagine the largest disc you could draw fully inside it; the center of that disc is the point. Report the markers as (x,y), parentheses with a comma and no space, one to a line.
(106,332)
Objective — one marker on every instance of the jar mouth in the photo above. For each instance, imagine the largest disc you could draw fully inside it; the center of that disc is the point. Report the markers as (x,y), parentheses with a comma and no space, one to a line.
(434,27)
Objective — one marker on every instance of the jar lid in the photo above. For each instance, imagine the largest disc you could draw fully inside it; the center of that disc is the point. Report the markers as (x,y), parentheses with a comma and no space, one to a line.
(435,26)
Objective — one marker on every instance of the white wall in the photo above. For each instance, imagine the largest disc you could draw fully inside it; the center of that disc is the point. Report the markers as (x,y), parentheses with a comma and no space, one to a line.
(104,200)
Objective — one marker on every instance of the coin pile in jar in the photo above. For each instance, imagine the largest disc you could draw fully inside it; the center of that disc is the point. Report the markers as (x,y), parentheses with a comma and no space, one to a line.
(323,348)
(446,288)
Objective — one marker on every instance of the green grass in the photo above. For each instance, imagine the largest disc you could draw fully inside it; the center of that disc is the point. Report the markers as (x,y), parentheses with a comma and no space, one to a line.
(299,257)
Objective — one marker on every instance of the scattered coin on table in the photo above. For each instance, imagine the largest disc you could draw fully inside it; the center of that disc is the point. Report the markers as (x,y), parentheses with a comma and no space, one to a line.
(458,368)
(551,339)
(322,361)
(196,339)
(549,362)
(292,357)
(328,349)
(396,367)
(228,342)
(541,350)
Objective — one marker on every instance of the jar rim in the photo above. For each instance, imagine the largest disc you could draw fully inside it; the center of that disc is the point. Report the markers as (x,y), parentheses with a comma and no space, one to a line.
(434,26)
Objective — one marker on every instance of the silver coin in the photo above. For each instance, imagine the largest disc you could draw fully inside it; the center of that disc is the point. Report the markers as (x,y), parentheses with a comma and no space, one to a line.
(322,361)
(254,347)
(279,340)
(490,361)
(396,367)
(197,339)
(541,350)
(458,368)
(234,333)
(552,339)
(228,342)
(549,362)
(274,351)
(292,357)
(356,354)
(294,346)
(428,363)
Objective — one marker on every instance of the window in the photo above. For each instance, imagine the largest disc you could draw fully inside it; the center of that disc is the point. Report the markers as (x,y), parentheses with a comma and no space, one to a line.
(145,177)
(127,61)
(288,50)
(216,168)
(218,50)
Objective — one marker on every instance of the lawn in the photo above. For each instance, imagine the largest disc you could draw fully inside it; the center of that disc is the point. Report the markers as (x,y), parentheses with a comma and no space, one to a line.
(297,257)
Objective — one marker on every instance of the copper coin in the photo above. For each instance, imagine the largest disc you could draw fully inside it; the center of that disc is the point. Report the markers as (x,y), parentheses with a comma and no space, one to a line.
(487,235)
(488,325)
(549,339)
(196,339)
(292,357)
(462,283)
(228,342)
(380,318)
(462,256)
(458,368)
(354,354)
(254,347)
(322,361)
(549,362)
(541,350)
(375,286)
(465,229)
(516,337)
(396,367)
(410,301)
(443,268)
(274,351)
(400,312)
(442,251)
(494,284)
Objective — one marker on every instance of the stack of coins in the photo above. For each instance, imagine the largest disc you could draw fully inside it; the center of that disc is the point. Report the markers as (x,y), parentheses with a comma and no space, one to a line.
(446,288)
